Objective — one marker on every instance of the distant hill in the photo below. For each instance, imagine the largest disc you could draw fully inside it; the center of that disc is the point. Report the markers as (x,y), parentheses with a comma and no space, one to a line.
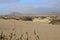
(15,14)
(19,14)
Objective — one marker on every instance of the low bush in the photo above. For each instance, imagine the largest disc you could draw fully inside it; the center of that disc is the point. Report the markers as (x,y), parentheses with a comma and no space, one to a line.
(42,17)
(55,21)
(26,18)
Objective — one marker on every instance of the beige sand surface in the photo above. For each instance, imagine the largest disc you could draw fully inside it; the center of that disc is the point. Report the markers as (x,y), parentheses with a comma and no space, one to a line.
(44,30)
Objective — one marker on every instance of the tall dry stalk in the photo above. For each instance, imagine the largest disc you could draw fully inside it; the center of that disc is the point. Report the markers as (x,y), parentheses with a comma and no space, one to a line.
(21,37)
(2,36)
(27,36)
(36,35)
(12,36)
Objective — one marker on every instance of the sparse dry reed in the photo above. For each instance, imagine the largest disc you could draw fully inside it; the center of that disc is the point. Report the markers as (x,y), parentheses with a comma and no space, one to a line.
(36,35)
(12,35)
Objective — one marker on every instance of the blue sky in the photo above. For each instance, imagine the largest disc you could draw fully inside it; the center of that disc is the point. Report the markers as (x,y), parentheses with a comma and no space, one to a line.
(29,6)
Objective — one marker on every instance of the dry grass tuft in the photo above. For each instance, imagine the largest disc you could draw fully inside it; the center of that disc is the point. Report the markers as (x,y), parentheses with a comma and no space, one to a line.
(55,21)
(12,36)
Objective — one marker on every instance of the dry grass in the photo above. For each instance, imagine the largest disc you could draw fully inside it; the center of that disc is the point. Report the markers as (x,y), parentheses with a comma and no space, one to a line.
(12,36)
(25,30)
(55,21)
(43,17)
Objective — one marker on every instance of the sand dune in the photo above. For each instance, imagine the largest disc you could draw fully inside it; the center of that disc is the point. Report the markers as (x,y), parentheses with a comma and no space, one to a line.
(44,30)
(46,20)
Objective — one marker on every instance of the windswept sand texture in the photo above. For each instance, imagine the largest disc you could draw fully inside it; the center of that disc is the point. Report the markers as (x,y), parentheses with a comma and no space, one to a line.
(35,29)
(46,20)
(44,31)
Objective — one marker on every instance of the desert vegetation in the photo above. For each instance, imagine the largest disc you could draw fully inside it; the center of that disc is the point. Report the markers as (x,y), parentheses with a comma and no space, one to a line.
(51,19)
(55,21)
(43,17)
(29,30)
(13,36)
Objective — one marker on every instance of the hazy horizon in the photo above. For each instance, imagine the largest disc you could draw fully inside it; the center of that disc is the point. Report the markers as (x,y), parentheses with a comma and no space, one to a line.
(30,6)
